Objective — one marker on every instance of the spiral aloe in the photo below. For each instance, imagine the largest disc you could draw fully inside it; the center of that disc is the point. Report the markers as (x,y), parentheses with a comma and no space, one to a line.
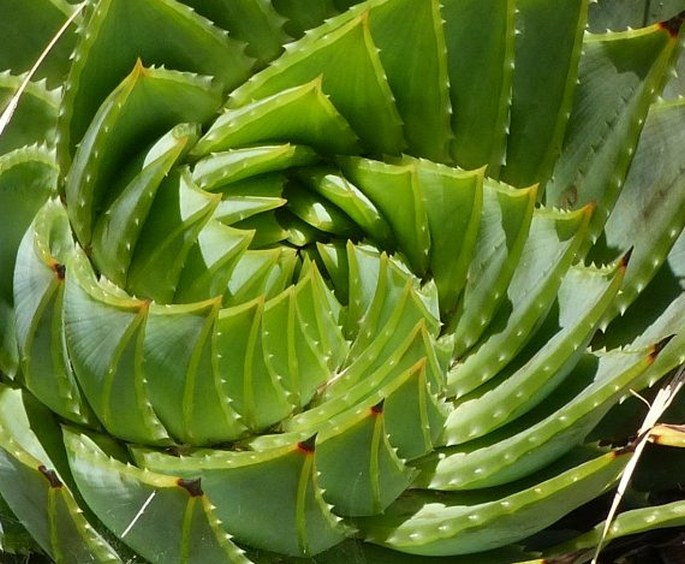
(303,277)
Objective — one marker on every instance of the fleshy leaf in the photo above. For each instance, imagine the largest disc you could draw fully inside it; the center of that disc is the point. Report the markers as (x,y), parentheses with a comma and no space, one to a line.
(268,499)
(479,36)
(108,358)
(619,76)
(547,49)
(40,317)
(28,177)
(35,118)
(179,212)
(648,215)
(372,475)
(161,517)
(544,433)
(551,247)
(160,32)
(36,490)
(396,191)
(117,230)
(441,524)
(221,169)
(584,295)
(629,522)
(185,382)
(142,108)
(416,76)
(302,114)
(343,56)
(503,230)
(256,23)
(256,392)
(23,44)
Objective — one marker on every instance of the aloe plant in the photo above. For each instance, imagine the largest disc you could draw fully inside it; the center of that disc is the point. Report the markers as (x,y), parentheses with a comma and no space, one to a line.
(318,278)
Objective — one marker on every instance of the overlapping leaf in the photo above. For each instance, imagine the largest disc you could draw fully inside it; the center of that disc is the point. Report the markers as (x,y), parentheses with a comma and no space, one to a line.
(297,291)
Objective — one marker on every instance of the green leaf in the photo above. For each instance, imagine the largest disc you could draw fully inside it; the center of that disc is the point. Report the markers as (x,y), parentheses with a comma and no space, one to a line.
(412,366)
(302,17)
(253,196)
(504,225)
(261,274)
(302,341)
(441,524)
(617,15)
(117,230)
(210,262)
(345,195)
(396,191)
(218,170)
(648,215)
(256,391)
(178,214)
(453,201)
(629,522)
(548,253)
(417,76)
(547,49)
(108,358)
(14,538)
(479,36)
(302,114)
(620,74)
(268,499)
(346,59)
(187,387)
(35,118)
(543,434)
(142,108)
(160,32)
(584,295)
(319,213)
(36,490)
(256,23)
(40,321)
(160,517)
(27,178)
(27,33)
(372,476)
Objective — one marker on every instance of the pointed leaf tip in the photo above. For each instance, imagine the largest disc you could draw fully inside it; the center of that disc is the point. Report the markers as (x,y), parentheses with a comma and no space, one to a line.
(672,26)
(307,446)
(658,347)
(60,270)
(378,408)
(625,259)
(192,486)
(50,476)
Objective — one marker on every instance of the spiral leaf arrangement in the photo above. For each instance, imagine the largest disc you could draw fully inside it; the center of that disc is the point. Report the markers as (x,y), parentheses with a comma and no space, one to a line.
(280,274)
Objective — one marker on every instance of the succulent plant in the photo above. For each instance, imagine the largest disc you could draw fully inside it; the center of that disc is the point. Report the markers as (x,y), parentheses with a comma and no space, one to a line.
(318,278)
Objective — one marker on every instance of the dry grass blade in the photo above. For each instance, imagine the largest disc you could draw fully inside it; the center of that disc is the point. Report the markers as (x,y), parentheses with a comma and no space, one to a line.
(656,410)
(668,435)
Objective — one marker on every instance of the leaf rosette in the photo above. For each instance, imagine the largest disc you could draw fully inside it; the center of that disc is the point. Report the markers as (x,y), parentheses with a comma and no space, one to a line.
(276,294)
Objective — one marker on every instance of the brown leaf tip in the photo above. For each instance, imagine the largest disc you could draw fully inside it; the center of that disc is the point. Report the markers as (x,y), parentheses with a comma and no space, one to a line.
(378,408)
(658,347)
(192,486)
(60,270)
(625,259)
(307,446)
(50,476)
(629,446)
(672,26)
